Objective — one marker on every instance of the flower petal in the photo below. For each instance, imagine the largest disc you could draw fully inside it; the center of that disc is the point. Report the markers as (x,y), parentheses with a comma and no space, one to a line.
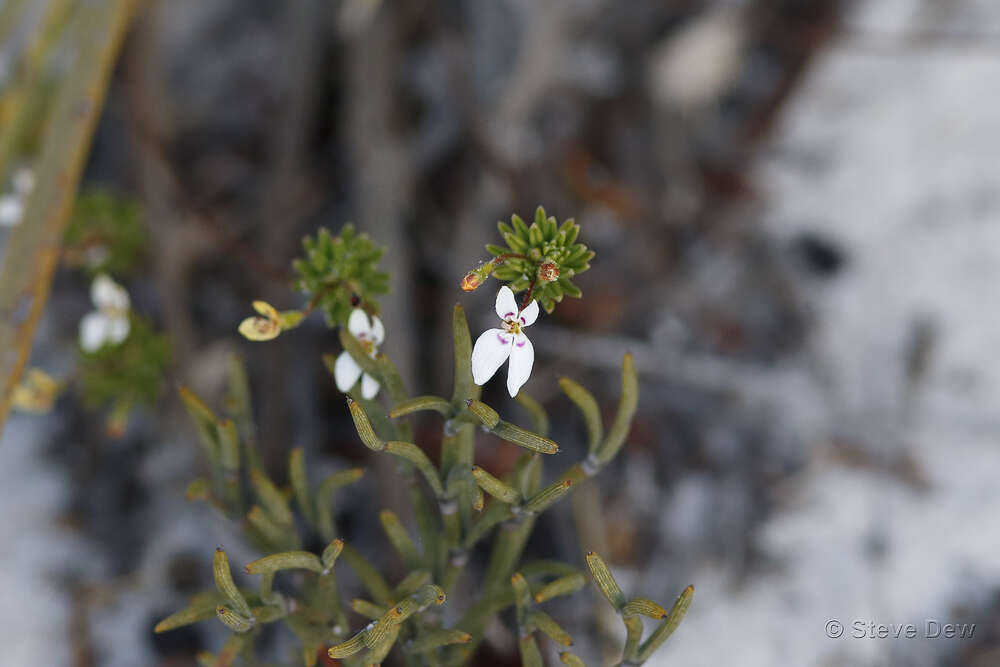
(345,372)
(358,324)
(506,304)
(11,210)
(522,357)
(265,309)
(369,386)
(259,328)
(378,330)
(118,328)
(107,294)
(491,350)
(529,314)
(93,331)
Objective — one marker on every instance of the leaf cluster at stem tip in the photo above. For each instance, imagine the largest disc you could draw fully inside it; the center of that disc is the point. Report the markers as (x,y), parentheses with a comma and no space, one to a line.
(542,258)
(340,272)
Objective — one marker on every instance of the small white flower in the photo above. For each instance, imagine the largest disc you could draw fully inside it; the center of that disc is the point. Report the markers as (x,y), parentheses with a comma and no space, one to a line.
(109,323)
(12,204)
(23,181)
(11,210)
(370,333)
(496,345)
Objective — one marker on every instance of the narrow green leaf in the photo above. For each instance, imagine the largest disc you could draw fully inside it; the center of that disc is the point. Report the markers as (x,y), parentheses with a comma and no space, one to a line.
(229,461)
(286,560)
(530,655)
(196,611)
(278,536)
(670,623)
(205,423)
(330,554)
(571,583)
(271,498)
(495,487)
(419,403)
(415,455)
(324,498)
(400,539)
(587,405)
(465,388)
(224,582)
(369,576)
(487,415)
(364,426)
(381,649)
(235,621)
(429,594)
(367,609)
(643,607)
(522,595)
(547,497)
(626,411)
(548,568)
(410,584)
(437,638)
(538,619)
(391,378)
(571,660)
(605,581)
(300,484)
(495,514)
(348,648)
(268,613)
(524,438)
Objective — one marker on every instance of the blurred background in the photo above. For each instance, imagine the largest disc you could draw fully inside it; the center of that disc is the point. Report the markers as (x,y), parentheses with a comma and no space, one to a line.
(794,206)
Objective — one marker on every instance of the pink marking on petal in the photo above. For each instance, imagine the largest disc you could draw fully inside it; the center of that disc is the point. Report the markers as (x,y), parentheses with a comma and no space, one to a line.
(507,315)
(521,344)
(522,320)
(502,339)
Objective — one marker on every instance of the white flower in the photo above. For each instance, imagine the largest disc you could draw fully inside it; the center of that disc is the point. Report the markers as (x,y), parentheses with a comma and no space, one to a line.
(12,205)
(496,345)
(23,181)
(370,333)
(109,323)
(11,210)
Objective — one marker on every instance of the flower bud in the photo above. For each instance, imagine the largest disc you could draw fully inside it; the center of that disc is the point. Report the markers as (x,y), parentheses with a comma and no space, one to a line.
(548,272)
(471,281)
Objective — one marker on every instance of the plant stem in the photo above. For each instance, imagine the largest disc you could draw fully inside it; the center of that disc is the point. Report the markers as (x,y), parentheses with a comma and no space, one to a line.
(527,295)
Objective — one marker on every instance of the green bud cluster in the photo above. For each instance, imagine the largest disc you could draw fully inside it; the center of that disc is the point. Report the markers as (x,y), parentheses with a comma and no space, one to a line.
(543,256)
(340,272)
(104,234)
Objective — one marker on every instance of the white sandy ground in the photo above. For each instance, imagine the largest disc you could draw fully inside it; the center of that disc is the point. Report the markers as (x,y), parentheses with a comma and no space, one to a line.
(892,153)
(34,610)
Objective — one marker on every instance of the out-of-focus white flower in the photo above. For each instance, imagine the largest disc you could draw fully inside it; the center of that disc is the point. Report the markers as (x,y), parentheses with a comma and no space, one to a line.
(370,333)
(12,204)
(24,181)
(495,346)
(11,210)
(109,323)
